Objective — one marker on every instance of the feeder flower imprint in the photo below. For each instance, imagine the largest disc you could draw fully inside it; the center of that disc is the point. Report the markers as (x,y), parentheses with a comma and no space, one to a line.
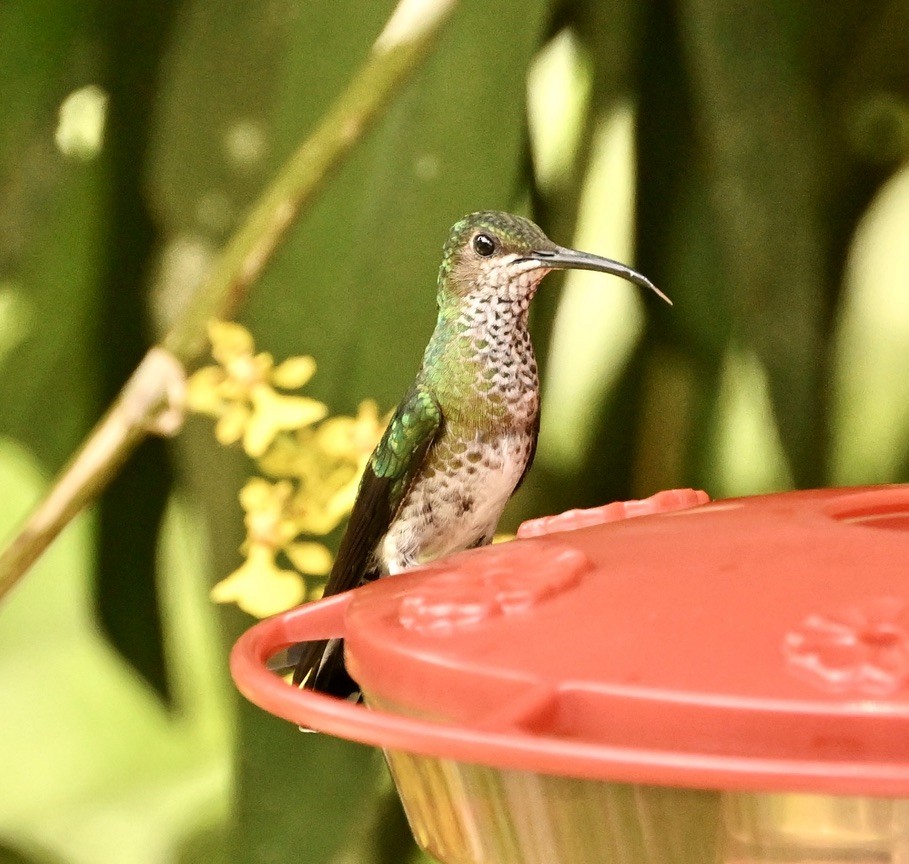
(863,648)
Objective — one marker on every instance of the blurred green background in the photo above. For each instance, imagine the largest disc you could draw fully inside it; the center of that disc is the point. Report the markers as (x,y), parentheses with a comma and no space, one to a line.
(751,158)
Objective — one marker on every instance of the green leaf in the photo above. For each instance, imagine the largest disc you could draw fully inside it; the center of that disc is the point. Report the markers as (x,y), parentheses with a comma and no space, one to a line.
(92,765)
(766,166)
(48,230)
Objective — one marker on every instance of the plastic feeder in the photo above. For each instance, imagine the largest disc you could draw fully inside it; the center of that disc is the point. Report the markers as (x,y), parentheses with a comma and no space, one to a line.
(725,683)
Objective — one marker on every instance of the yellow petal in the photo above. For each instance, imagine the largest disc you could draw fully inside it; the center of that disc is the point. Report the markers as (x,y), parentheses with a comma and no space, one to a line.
(314,559)
(368,417)
(229,340)
(232,424)
(259,586)
(351,437)
(233,389)
(342,501)
(286,457)
(369,426)
(256,494)
(337,437)
(202,391)
(293,373)
(260,432)
(273,413)
(368,411)
(318,521)
(262,365)
(268,520)
(289,412)
(244,373)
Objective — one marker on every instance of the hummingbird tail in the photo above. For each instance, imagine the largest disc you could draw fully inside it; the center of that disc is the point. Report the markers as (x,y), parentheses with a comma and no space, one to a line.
(321,668)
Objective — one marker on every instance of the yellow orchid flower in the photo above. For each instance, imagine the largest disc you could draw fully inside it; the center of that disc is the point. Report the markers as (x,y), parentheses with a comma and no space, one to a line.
(315,463)
(240,391)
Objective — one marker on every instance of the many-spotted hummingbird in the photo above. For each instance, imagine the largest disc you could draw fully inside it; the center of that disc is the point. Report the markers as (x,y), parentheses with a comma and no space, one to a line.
(463,438)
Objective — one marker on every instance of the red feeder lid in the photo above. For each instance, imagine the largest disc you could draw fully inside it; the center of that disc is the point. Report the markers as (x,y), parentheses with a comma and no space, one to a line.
(753,643)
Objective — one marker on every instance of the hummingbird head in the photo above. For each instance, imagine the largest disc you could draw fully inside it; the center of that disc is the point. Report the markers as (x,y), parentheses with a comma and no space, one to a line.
(505,256)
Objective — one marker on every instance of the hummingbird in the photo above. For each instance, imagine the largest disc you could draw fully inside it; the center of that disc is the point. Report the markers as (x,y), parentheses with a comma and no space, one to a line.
(464,436)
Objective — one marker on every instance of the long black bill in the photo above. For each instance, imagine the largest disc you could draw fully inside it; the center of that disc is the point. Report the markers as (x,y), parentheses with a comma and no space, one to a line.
(568,259)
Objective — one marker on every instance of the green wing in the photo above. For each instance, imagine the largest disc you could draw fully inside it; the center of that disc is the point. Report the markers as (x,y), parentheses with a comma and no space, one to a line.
(390,470)
(389,473)
(406,441)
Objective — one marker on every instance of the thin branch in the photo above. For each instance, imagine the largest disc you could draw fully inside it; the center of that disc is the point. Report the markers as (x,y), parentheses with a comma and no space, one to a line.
(151,400)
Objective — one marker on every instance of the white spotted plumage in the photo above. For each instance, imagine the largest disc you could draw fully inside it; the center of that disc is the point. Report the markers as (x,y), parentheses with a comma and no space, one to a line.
(474,467)
(444,513)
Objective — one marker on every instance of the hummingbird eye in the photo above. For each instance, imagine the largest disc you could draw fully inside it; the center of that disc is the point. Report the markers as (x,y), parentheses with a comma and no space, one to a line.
(484,245)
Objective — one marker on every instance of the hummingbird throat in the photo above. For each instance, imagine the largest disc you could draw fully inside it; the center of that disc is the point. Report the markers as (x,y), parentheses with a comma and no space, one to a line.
(481,362)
